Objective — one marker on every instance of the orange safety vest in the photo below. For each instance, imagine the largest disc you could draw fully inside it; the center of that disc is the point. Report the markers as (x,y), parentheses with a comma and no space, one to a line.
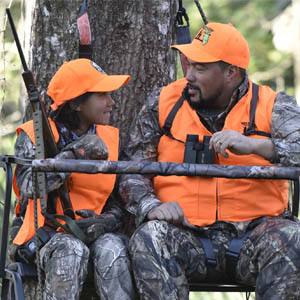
(87,191)
(206,200)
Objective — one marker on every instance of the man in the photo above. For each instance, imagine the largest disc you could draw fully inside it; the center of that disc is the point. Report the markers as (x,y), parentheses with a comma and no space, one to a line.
(189,224)
(79,121)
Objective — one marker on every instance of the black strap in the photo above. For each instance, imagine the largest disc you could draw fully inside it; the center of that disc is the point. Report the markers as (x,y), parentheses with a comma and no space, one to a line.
(183,35)
(247,131)
(181,14)
(209,251)
(252,129)
(170,118)
(295,205)
(232,254)
(70,226)
(213,275)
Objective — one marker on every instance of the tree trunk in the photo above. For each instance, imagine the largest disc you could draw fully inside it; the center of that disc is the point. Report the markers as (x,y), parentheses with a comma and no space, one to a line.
(131,37)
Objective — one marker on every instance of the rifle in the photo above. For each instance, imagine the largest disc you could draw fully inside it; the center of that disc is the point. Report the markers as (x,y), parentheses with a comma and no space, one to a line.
(45,143)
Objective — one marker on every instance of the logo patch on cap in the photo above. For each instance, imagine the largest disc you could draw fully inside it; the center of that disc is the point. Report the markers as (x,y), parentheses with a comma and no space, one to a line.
(204,34)
(98,68)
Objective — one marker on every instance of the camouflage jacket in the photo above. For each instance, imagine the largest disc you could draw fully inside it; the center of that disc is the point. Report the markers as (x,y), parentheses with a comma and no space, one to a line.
(24,148)
(137,190)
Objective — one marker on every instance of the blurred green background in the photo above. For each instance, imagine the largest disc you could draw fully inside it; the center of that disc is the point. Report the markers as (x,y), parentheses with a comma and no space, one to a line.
(264,23)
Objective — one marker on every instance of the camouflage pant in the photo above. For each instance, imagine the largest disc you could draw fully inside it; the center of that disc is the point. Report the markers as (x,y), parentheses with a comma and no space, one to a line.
(65,262)
(165,257)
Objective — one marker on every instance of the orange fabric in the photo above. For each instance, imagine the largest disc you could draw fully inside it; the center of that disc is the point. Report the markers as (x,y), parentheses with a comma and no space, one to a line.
(205,200)
(216,41)
(87,191)
(76,77)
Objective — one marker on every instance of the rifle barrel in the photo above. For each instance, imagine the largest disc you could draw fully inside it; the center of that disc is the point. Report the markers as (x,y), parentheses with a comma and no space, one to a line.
(201,12)
(13,28)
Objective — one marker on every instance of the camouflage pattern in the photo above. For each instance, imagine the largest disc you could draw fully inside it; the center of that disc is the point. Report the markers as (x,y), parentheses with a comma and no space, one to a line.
(165,258)
(94,225)
(65,261)
(112,267)
(24,148)
(88,146)
(64,258)
(137,190)
(165,169)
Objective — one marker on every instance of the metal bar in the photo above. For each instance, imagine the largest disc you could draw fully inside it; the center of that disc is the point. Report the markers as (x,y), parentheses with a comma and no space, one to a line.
(5,224)
(156,168)
(165,169)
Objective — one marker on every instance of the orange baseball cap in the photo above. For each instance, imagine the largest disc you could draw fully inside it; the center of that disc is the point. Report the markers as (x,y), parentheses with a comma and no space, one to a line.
(215,42)
(76,77)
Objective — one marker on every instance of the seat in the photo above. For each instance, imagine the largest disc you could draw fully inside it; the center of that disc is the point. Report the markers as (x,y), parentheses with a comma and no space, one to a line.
(12,274)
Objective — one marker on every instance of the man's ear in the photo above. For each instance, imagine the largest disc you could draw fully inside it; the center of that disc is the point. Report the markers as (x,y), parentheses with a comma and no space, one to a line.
(233,76)
(75,106)
(232,71)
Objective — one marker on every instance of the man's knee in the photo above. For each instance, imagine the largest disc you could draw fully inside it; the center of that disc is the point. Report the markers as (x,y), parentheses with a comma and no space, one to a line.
(273,248)
(110,255)
(281,235)
(149,232)
(64,246)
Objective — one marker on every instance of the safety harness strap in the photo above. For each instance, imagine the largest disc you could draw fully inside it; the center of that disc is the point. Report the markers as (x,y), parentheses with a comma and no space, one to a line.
(252,128)
(232,255)
(170,118)
(247,131)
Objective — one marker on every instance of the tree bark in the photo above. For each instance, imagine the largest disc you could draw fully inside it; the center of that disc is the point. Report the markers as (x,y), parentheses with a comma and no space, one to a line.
(131,37)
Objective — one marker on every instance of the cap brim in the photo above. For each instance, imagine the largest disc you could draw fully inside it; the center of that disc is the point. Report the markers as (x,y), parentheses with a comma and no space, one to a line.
(110,83)
(195,53)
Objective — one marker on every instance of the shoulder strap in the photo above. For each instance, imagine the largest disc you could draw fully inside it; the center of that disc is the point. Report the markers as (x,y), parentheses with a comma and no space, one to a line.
(251,129)
(170,118)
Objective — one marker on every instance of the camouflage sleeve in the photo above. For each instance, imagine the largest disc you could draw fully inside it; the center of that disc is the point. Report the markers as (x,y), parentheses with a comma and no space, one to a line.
(113,212)
(285,131)
(137,190)
(24,148)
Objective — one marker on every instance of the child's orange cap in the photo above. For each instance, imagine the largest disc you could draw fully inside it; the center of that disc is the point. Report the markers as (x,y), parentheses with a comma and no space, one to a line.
(76,77)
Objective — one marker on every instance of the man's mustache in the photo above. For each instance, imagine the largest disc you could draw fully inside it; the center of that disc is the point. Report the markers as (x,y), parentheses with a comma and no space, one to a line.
(191,85)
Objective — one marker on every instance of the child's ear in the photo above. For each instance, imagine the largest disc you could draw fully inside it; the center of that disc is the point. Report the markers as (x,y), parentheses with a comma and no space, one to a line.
(75,106)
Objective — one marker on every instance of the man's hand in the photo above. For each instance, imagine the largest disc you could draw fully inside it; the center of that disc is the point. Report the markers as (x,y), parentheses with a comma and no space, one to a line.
(239,144)
(170,212)
(89,146)
(94,225)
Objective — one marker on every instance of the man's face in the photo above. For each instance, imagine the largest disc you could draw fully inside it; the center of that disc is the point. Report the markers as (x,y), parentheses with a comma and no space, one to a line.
(205,84)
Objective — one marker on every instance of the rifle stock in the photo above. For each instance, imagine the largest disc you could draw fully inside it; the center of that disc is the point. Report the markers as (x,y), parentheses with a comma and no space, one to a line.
(36,103)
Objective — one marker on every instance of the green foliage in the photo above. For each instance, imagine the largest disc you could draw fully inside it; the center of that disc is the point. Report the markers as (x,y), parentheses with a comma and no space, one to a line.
(10,79)
(253,18)
(10,83)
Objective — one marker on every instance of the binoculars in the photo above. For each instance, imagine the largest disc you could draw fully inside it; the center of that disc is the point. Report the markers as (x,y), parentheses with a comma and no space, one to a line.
(198,153)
